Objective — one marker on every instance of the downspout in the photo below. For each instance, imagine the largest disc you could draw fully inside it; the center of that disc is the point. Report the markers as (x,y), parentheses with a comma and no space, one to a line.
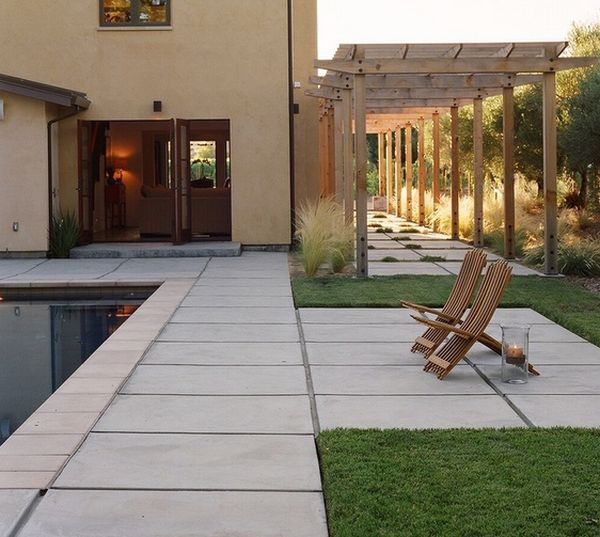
(73,112)
(292,140)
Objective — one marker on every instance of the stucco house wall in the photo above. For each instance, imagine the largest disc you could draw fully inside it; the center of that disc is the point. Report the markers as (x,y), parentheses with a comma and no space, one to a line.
(220,59)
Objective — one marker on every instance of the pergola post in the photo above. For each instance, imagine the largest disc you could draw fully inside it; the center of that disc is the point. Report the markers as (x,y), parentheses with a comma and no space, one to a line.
(338,143)
(360,118)
(409,171)
(389,170)
(455,172)
(508,108)
(398,172)
(421,171)
(348,157)
(436,160)
(550,165)
(478,171)
(381,162)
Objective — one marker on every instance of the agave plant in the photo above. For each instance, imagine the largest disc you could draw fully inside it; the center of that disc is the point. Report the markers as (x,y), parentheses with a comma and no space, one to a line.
(64,234)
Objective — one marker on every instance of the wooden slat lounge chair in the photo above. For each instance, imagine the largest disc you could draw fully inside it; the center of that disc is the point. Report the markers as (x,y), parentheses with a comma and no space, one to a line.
(455,306)
(474,324)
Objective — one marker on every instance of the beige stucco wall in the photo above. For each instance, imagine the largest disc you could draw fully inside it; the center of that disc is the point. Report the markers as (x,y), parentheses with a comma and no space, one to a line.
(306,122)
(23,175)
(223,59)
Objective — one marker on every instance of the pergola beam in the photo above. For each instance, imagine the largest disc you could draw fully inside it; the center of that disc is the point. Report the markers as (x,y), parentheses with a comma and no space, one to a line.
(428,81)
(454,65)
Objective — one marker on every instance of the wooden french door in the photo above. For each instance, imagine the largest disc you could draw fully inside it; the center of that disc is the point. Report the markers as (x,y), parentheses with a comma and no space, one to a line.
(182,182)
(85,185)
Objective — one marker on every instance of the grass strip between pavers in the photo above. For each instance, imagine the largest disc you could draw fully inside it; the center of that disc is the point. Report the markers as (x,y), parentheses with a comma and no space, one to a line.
(559,300)
(455,483)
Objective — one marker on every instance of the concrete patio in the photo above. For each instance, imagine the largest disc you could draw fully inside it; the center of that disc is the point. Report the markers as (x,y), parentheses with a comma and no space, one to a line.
(198,415)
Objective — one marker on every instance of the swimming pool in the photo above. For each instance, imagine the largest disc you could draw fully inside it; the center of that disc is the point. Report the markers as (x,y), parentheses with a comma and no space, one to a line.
(42,343)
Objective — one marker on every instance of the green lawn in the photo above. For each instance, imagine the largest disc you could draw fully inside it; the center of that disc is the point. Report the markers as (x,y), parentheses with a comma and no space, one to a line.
(496,483)
(571,306)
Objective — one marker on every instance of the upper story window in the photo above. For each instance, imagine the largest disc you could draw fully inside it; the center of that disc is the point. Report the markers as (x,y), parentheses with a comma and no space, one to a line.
(135,13)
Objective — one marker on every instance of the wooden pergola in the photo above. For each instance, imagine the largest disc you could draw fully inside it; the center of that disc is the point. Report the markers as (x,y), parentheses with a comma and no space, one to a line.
(384,88)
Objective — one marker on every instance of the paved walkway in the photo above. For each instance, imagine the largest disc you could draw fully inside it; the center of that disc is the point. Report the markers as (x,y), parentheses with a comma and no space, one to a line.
(211,433)
(417,250)
(197,417)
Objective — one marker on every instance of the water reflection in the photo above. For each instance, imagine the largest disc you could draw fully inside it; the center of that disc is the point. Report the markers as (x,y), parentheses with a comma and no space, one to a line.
(41,346)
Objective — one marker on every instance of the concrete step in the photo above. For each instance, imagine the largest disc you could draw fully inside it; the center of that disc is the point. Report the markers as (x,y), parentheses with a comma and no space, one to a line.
(157,249)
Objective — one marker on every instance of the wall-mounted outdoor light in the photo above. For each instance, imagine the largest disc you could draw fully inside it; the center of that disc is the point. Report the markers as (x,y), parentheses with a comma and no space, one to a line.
(157,106)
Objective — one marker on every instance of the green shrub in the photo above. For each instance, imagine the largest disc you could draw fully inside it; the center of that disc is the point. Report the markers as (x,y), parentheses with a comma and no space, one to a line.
(495,241)
(399,239)
(374,224)
(64,234)
(390,259)
(379,215)
(577,258)
(410,230)
(371,247)
(413,246)
(384,230)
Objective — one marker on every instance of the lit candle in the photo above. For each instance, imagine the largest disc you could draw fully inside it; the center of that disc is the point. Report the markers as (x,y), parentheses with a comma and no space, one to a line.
(515,354)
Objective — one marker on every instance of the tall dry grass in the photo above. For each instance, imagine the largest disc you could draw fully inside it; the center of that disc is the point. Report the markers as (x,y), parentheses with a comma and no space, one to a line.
(323,235)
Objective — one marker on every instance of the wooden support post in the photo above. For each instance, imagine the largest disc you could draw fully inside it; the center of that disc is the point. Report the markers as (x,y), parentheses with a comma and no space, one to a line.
(348,157)
(436,160)
(389,171)
(550,165)
(398,172)
(508,130)
(331,153)
(381,163)
(360,117)
(421,172)
(478,171)
(455,231)
(338,152)
(409,172)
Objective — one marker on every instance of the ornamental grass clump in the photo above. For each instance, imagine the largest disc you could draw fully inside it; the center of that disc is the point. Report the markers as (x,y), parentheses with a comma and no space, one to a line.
(575,258)
(323,236)
(64,234)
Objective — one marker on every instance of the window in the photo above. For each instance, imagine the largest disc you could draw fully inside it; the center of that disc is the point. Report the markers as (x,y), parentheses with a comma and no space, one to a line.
(135,13)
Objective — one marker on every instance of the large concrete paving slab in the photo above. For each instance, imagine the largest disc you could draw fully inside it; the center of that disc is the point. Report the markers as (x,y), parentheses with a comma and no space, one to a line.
(415,412)
(401,333)
(433,244)
(450,254)
(224,354)
(282,281)
(236,301)
(541,354)
(560,410)
(251,273)
(83,513)
(362,354)
(402,254)
(235,315)
(208,414)
(542,333)
(193,462)
(230,333)
(392,380)
(555,380)
(356,316)
(406,268)
(154,250)
(13,505)
(217,380)
(519,316)
(14,267)
(256,291)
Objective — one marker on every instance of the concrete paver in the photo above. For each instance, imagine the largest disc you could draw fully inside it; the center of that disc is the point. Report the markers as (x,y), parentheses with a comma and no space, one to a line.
(84,513)
(391,380)
(208,414)
(374,353)
(235,315)
(193,462)
(410,412)
(215,380)
(560,410)
(13,504)
(230,332)
(224,354)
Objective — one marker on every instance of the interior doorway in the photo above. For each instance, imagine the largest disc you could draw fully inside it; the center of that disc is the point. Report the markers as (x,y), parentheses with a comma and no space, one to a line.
(154,180)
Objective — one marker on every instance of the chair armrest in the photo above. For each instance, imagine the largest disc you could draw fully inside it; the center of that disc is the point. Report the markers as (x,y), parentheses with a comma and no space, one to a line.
(443,326)
(425,309)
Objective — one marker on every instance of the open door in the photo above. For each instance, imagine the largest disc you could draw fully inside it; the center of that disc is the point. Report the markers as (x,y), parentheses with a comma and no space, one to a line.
(85,185)
(182,183)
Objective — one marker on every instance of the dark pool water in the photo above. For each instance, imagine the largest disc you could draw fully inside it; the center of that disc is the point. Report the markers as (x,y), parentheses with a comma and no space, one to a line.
(43,343)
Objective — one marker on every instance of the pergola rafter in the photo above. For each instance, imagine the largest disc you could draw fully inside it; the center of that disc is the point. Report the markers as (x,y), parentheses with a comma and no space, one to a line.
(391,86)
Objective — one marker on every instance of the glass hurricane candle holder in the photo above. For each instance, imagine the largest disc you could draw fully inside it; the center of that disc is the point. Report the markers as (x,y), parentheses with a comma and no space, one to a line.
(515,354)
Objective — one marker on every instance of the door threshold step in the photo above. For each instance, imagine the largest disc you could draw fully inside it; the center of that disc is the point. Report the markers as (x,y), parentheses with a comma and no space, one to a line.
(157,249)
